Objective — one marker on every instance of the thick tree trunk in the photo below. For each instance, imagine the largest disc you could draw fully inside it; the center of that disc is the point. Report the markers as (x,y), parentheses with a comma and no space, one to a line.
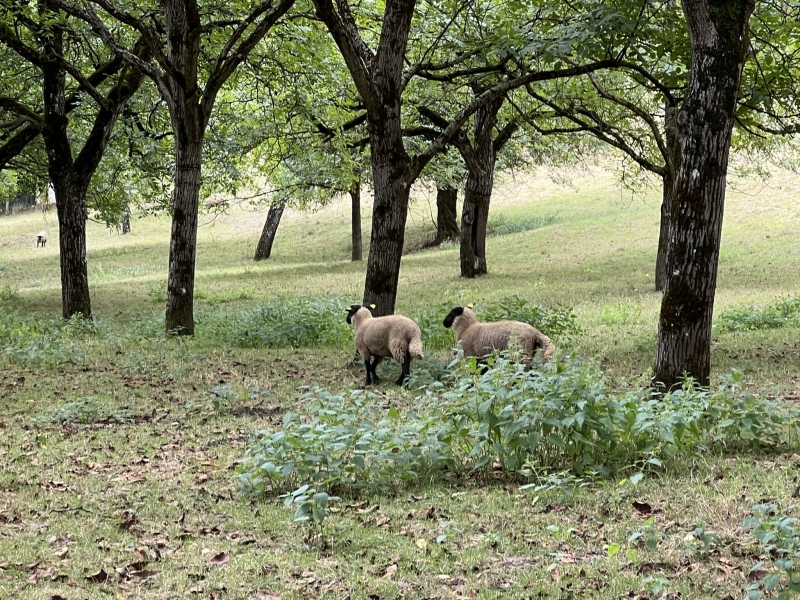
(390,210)
(355,209)
(480,160)
(719,39)
(668,184)
(474,218)
(264,248)
(71,210)
(179,316)
(126,220)
(446,214)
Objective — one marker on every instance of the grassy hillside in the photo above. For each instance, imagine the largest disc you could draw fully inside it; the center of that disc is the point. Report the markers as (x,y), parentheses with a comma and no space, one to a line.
(121,448)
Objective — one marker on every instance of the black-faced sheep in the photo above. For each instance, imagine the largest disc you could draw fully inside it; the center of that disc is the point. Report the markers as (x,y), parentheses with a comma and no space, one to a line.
(377,338)
(480,339)
(41,238)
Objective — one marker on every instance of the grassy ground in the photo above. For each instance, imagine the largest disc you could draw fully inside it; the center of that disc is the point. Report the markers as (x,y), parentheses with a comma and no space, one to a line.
(131,492)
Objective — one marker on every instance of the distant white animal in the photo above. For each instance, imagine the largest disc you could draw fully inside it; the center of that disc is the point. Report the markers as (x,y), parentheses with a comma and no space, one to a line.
(41,238)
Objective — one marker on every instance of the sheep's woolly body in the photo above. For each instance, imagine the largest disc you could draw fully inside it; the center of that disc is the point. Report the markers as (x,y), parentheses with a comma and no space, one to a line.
(480,339)
(391,336)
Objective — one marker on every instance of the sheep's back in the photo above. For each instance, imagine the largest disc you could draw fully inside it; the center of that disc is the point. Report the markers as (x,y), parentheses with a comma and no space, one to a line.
(376,334)
(483,338)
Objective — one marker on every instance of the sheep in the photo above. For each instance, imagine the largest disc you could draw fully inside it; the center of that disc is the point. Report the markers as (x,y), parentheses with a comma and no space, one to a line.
(41,238)
(480,339)
(380,337)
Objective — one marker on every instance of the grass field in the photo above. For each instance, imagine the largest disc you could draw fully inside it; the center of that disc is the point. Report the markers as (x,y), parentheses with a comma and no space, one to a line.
(120,446)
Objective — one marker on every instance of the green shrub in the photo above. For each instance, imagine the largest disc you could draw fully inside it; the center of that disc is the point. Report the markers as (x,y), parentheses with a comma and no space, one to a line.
(302,322)
(348,439)
(500,224)
(36,341)
(85,411)
(779,538)
(435,336)
(8,294)
(781,313)
(559,417)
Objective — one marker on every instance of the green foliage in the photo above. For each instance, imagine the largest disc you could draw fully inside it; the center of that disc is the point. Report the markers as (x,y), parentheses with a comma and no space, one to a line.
(38,342)
(781,313)
(85,411)
(346,439)
(8,294)
(500,224)
(554,322)
(779,538)
(435,336)
(556,418)
(309,505)
(299,322)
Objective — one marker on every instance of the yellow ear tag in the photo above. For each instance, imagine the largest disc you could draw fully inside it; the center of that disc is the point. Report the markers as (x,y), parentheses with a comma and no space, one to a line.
(372,306)
(470,305)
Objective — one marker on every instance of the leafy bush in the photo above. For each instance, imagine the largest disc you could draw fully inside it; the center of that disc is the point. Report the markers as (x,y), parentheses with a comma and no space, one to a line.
(36,341)
(499,224)
(435,336)
(8,294)
(554,322)
(84,411)
(781,313)
(302,322)
(347,439)
(779,537)
(556,418)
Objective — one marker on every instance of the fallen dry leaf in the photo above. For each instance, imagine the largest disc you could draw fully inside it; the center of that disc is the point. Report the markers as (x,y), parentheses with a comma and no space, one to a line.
(219,559)
(390,571)
(643,507)
(100,577)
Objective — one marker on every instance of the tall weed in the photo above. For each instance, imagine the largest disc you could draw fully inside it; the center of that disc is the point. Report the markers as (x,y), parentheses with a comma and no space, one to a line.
(784,312)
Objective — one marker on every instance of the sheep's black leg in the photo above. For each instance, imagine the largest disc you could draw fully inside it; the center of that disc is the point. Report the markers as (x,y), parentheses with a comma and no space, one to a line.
(375,362)
(406,369)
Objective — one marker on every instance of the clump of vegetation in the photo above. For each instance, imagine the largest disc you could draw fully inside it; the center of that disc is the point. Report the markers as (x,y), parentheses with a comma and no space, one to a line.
(8,294)
(554,322)
(500,224)
(784,312)
(301,322)
(223,297)
(779,537)
(558,417)
(85,411)
(39,342)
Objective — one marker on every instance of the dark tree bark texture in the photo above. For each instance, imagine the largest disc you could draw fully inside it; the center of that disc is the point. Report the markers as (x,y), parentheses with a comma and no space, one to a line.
(355,218)
(446,214)
(668,183)
(480,158)
(264,248)
(719,38)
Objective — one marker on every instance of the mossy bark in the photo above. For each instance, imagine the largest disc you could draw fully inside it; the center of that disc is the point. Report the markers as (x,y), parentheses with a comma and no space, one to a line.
(719,39)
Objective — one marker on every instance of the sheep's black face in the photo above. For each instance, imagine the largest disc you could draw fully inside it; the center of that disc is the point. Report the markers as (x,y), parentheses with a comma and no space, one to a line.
(456,312)
(351,311)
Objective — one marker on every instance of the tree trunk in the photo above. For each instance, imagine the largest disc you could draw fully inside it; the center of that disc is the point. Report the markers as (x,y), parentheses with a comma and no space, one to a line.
(719,39)
(179,316)
(355,206)
(446,223)
(126,221)
(480,160)
(264,248)
(71,210)
(389,214)
(668,184)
